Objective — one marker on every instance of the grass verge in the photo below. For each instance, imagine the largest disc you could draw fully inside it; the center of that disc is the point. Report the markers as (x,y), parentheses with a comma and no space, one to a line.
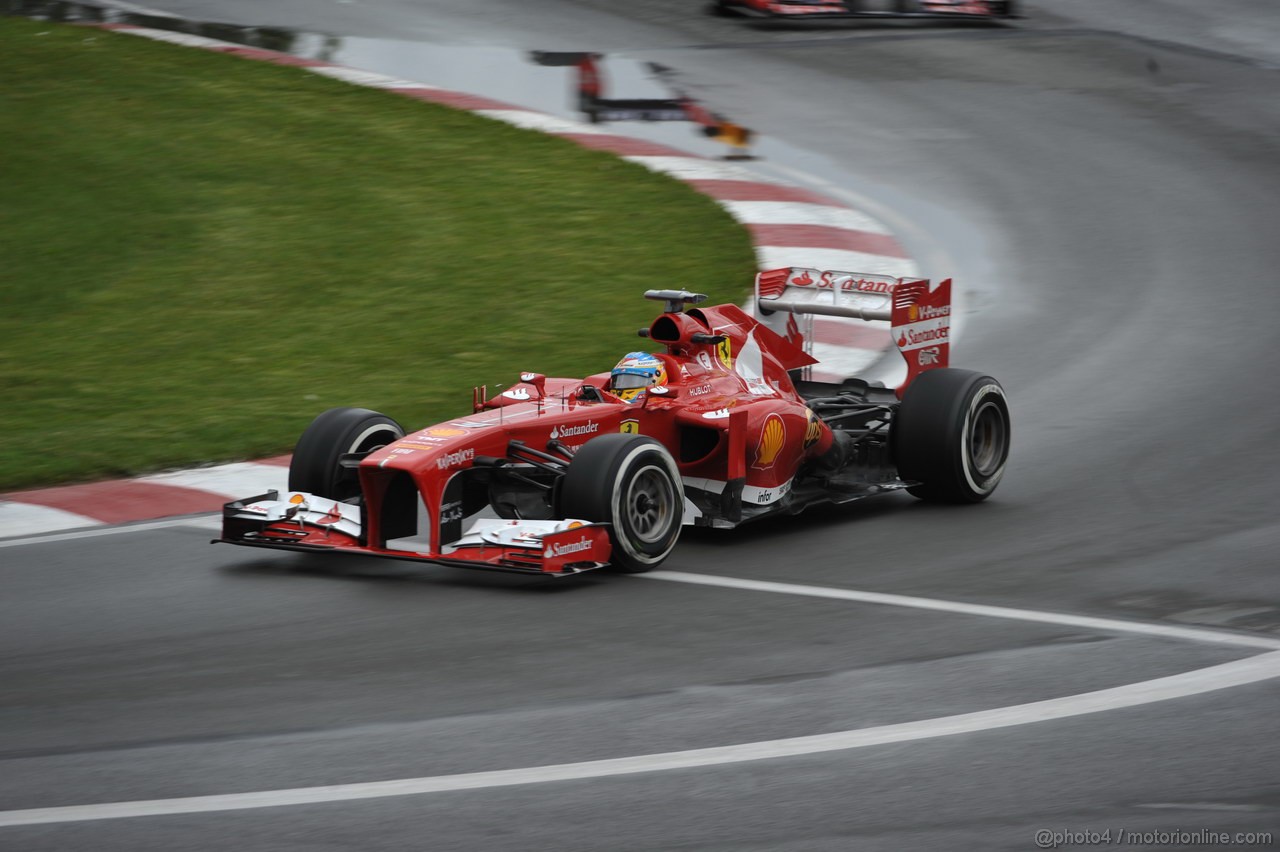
(198,254)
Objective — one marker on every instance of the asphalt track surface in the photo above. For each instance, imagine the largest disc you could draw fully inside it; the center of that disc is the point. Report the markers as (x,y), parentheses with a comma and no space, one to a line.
(1109,205)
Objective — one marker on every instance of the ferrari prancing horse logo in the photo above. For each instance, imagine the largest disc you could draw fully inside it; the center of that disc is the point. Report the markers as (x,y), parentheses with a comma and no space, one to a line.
(629,427)
(724,350)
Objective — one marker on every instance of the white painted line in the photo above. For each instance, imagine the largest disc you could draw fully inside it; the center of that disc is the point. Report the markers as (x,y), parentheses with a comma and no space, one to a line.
(696,168)
(1237,673)
(773,257)
(1202,806)
(234,481)
(201,521)
(1108,625)
(30,519)
(798,213)
(184,39)
(365,78)
(540,121)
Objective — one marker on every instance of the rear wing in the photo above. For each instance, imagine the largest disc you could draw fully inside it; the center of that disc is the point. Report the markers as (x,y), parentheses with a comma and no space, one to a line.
(919,317)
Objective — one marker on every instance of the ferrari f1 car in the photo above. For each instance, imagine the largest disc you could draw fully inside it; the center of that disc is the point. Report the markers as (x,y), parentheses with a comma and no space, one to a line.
(723,425)
(960,9)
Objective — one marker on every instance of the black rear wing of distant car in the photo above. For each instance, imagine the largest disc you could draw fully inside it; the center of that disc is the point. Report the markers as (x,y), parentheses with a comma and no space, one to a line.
(919,315)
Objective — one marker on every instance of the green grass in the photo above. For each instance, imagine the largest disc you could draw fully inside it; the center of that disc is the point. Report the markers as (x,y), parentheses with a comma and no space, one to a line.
(198,254)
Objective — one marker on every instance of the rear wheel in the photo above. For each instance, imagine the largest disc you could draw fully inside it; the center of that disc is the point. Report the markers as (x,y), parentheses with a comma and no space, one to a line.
(951,435)
(317,466)
(630,482)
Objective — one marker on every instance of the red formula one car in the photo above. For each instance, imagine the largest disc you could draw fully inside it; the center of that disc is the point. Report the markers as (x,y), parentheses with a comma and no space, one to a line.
(979,9)
(721,426)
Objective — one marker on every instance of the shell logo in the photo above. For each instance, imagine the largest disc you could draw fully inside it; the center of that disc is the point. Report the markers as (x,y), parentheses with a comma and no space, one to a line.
(446,432)
(772,438)
(813,431)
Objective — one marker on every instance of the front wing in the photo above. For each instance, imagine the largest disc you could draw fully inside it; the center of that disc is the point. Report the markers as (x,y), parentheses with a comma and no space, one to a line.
(309,523)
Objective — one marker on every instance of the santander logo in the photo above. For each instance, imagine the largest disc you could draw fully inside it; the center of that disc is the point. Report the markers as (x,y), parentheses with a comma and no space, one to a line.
(846,282)
(554,550)
(588,428)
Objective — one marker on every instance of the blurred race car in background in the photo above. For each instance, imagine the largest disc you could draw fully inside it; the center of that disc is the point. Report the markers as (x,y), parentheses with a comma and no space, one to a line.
(723,425)
(979,9)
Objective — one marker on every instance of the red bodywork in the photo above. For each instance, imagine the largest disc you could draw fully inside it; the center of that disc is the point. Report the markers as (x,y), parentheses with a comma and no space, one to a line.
(730,415)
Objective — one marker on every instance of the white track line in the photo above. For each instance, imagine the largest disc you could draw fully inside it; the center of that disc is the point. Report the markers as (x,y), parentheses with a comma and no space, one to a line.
(1108,625)
(202,521)
(1238,673)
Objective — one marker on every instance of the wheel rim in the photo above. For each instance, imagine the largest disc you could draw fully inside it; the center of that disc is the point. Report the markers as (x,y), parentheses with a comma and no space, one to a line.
(987,439)
(346,483)
(374,438)
(649,505)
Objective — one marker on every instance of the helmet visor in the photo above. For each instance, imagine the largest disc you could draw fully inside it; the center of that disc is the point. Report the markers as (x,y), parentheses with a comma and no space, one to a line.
(627,381)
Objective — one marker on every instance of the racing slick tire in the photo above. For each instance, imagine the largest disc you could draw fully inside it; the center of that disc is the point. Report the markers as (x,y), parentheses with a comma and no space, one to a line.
(316,466)
(631,483)
(951,435)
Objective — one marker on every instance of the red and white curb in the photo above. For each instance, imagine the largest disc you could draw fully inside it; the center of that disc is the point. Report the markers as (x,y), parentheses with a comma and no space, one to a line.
(790,226)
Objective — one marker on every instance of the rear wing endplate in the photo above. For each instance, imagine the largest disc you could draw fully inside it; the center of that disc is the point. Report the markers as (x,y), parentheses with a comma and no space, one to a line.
(919,317)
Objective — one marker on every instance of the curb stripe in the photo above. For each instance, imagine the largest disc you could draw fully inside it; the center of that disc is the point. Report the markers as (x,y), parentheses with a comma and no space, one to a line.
(371,79)
(772,257)
(689,167)
(271,56)
(31,519)
(124,500)
(623,146)
(457,100)
(754,190)
(791,213)
(531,120)
(227,481)
(822,236)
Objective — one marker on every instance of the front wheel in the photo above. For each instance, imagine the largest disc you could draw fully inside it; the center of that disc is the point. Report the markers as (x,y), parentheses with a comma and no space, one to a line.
(951,435)
(317,468)
(630,482)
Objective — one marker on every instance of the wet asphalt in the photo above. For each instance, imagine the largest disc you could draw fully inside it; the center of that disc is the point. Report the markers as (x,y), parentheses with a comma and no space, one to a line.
(1107,206)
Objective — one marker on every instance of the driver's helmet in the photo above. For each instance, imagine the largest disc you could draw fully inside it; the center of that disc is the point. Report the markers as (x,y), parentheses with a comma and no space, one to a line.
(636,373)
